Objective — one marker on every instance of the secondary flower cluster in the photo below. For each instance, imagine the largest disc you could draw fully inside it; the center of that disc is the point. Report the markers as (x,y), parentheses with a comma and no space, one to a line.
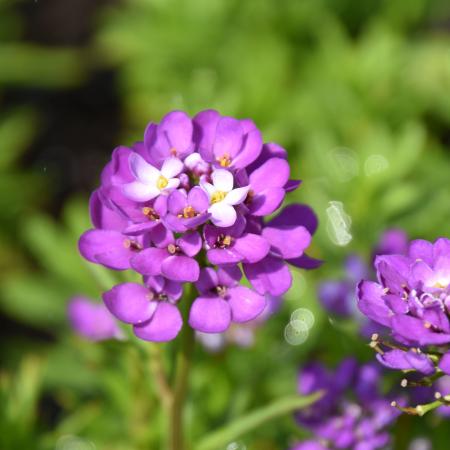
(352,414)
(412,299)
(338,296)
(187,205)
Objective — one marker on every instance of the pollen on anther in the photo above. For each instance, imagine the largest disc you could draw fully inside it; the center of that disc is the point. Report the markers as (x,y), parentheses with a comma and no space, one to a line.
(162,182)
(224,160)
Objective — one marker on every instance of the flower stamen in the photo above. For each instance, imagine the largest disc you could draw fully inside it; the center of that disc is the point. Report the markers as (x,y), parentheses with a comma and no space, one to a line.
(217,197)
(162,182)
(224,160)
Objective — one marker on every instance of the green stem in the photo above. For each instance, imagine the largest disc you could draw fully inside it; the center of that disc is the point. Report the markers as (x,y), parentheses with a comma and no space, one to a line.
(220,438)
(157,368)
(176,429)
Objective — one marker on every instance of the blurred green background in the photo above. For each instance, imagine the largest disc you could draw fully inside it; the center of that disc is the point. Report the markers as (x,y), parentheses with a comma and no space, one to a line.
(356,91)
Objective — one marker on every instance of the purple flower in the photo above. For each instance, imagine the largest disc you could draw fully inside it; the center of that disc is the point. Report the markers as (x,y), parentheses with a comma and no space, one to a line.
(150,309)
(225,141)
(352,414)
(172,258)
(92,320)
(186,204)
(338,296)
(187,210)
(223,197)
(240,334)
(412,294)
(233,244)
(222,300)
(411,299)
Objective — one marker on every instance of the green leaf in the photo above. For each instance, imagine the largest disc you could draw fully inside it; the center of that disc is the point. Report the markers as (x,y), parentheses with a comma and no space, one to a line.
(220,438)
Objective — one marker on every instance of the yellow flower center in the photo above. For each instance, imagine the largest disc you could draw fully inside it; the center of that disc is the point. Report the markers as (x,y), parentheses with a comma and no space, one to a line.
(217,197)
(162,182)
(440,285)
(189,212)
(224,160)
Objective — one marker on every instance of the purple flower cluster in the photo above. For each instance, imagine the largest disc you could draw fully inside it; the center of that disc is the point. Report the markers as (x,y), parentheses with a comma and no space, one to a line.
(187,205)
(412,299)
(338,296)
(92,320)
(352,414)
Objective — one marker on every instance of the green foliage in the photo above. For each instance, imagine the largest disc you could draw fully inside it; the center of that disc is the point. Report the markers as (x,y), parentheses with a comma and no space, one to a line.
(357,91)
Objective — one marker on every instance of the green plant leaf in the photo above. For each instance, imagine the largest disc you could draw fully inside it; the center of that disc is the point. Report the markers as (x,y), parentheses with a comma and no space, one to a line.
(220,438)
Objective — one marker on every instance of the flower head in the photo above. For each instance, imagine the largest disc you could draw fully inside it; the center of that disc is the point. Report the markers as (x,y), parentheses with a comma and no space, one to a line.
(187,205)
(352,413)
(411,298)
(92,320)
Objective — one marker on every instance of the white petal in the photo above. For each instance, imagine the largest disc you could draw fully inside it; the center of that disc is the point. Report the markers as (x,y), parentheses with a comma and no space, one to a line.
(173,183)
(236,196)
(140,192)
(142,170)
(222,180)
(171,167)
(192,160)
(208,188)
(222,215)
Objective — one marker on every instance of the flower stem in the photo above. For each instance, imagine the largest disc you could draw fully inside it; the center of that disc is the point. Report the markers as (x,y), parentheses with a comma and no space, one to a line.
(176,430)
(157,368)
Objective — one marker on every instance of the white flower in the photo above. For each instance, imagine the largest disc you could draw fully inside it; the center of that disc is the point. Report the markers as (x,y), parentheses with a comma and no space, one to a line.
(150,181)
(223,198)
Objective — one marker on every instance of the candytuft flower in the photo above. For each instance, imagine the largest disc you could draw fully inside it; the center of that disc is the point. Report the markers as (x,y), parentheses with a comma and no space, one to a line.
(92,320)
(187,205)
(352,413)
(412,298)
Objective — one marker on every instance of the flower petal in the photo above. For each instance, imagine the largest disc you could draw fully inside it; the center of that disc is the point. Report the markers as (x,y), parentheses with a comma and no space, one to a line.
(177,201)
(295,215)
(142,170)
(92,320)
(444,363)
(130,302)
(104,217)
(245,304)
(252,247)
(173,183)
(207,280)
(190,243)
(287,242)
(229,137)
(107,247)
(236,196)
(177,127)
(219,256)
(222,180)
(305,262)
(180,268)
(274,173)
(171,167)
(164,326)
(149,261)
(414,329)
(140,192)
(222,215)
(371,303)
(270,275)
(210,315)
(198,199)
(205,126)
(267,201)
(250,150)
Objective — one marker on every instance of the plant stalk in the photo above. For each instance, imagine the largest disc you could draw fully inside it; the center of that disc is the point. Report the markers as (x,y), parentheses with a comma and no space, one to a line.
(177,440)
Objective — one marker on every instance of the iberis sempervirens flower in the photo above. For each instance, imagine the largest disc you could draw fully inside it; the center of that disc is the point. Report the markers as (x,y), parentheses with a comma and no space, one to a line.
(411,299)
(188,205)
